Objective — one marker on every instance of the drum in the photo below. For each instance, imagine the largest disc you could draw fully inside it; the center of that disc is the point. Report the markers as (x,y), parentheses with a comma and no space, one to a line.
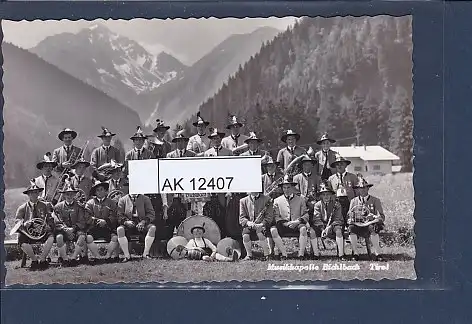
(212,231)
(176,247)
(195,255)
(228,242)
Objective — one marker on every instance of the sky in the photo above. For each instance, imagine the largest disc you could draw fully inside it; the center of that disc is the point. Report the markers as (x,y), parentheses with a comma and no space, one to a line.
(187,39)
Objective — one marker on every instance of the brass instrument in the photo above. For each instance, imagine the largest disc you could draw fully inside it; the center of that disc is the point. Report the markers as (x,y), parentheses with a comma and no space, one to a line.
(290,170)
(240,149)
(260,216)
(115,195)
(361,216)
(64,175)
(34,228)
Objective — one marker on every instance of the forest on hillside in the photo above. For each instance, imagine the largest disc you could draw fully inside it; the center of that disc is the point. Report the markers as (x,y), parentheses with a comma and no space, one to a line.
(350,76)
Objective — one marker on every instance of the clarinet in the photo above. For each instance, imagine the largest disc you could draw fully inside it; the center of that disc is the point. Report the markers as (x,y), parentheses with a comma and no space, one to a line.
(260,216)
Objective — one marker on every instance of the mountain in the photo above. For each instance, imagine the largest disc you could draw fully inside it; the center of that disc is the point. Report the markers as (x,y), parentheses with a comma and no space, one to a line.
(349,76)
(114,64)
(179,98)
(40,100)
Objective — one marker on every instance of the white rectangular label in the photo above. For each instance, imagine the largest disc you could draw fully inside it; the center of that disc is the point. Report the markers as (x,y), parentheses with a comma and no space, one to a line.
(196,175)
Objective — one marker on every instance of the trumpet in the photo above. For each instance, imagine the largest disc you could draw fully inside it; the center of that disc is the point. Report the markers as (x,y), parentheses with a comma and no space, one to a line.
(240,149)
(115,195)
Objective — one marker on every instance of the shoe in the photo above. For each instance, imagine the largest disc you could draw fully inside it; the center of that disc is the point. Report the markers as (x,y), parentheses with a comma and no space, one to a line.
(283,258)
(378,258)
(343,258)
(34,266)
(147,257)
(92,261)
(126,260)
(62,262)
(301,258)
(43,265)
(265,258)
(315,257)
(355,257)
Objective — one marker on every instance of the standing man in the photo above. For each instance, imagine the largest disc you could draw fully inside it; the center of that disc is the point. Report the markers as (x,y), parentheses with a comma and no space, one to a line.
(47,181)
(199,142)
(342,183)
(291,151)
(307,181)
(254,144)
(62,155)
(80,180)
(104,154)
(235,139)
(159,146)
(325,157)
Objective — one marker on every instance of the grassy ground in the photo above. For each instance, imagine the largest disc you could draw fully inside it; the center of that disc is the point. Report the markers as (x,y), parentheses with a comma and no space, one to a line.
(395,191)
(400,261)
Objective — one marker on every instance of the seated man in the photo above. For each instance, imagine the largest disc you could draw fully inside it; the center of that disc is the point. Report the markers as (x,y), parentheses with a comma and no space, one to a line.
(201,248)
(135,216)
(327,221)
(291,216)
(255,215)
(69,218)
(375,217)
(100,214)
(34,208)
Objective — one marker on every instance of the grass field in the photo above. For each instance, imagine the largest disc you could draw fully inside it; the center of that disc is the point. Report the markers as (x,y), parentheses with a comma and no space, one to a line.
(395,191)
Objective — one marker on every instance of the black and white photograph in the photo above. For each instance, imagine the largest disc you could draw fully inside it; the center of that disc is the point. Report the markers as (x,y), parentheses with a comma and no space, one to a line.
(322,105)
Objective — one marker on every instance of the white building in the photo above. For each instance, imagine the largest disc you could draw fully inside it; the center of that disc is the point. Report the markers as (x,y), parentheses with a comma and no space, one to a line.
(368,159)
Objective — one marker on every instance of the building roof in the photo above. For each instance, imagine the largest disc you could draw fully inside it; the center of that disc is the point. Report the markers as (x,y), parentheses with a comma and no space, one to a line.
(366,153)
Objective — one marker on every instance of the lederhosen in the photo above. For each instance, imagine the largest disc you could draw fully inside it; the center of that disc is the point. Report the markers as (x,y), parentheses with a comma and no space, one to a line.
(343,201)
(207,251)
(133,232)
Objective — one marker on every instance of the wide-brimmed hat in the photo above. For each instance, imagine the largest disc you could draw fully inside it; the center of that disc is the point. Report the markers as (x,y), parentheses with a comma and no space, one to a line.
(68,187)
(307,158)
(267,159)
(97,184)
(81,161)
(180,136)
(33,187)
(287,180)
(233,121)
(139,134)
(362,183)
(253,137)
(67,131)
(202,227)
(325,187)
(340,159)
(214,133)
(289,132)
(200,121)
(106,133)
(47,159)
(160,125)
(325,137)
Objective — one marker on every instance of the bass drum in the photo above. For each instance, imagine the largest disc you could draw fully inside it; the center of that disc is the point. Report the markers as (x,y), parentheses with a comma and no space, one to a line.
(212,231)
(226,245)
(176,247)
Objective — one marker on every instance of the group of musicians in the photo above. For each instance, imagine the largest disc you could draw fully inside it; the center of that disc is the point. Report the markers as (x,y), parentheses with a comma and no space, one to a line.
(306,195)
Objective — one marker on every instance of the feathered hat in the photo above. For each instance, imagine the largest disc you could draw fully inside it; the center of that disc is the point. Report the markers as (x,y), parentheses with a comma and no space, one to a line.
(233,121)
(67,131)
(287,180)
(253,137)
(68,187)
(139,134)
(325,187)
(108,168)
(200,121)
(180,136)
(214,133)
(160,126)
(289,132)
(97,184)
(361,182)
(33,187)
(47,160)
(325,137)
(339,159)
(106,133)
